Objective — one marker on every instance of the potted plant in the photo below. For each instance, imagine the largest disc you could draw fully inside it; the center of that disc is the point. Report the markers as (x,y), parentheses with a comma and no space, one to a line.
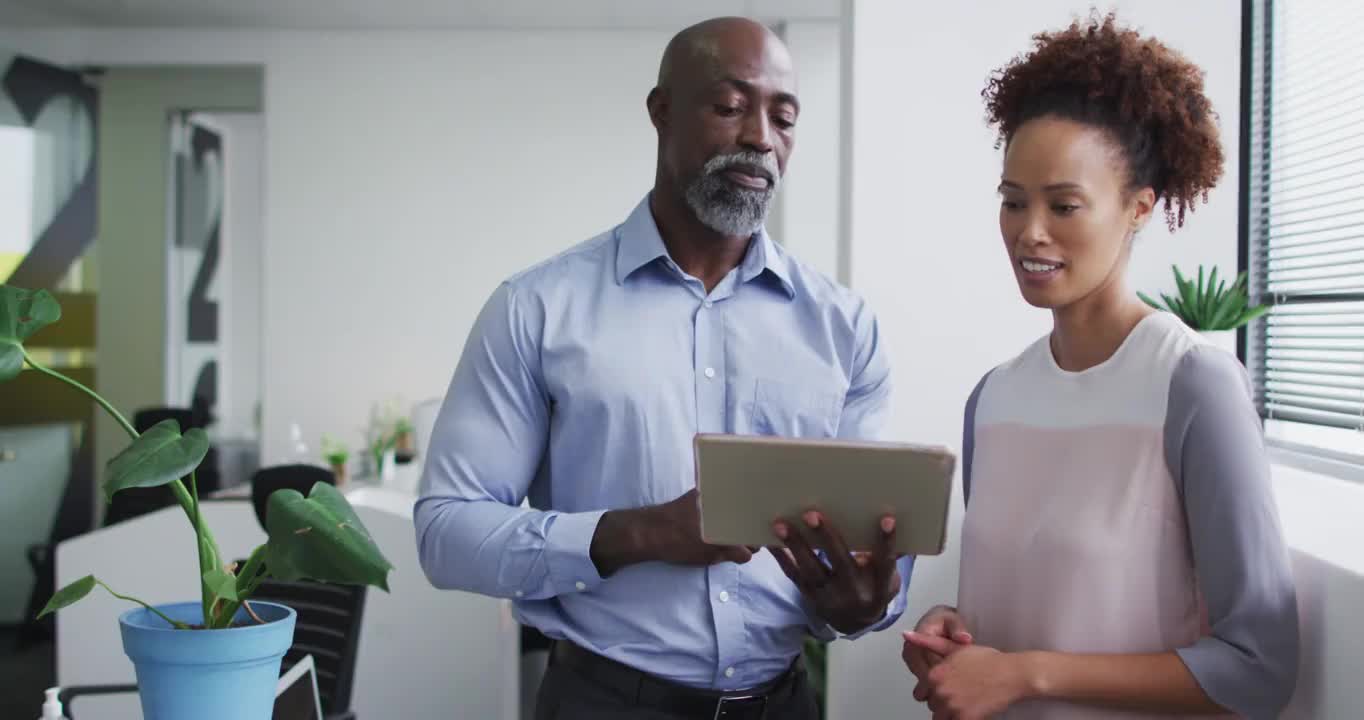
(402,438)
(381,453)
(1211,308)
(336,454)
(217,658)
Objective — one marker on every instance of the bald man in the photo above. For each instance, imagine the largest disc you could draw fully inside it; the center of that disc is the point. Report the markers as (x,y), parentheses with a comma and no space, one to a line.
(585,379)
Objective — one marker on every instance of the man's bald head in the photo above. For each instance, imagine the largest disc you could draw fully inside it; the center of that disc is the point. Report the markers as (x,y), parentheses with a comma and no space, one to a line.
(725,109)
(699,51)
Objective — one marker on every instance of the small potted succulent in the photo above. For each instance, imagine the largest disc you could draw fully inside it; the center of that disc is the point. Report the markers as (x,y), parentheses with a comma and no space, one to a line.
(402,438)
(336,454)
(1212,308)
(218,657)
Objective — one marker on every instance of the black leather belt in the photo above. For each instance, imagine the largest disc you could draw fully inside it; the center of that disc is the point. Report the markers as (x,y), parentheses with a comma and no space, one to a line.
(643,689)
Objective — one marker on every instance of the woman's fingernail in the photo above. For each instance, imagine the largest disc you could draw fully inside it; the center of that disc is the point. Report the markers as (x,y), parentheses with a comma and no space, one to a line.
(887,524)
(812,518)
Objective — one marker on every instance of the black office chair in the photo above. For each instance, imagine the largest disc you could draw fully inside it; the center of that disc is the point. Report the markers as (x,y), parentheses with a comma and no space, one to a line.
(328,628)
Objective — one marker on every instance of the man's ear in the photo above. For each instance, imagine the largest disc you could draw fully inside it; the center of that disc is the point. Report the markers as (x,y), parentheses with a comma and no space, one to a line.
(658,103)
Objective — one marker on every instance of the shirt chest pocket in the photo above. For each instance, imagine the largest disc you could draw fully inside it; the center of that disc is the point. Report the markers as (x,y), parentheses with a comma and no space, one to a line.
(790,410)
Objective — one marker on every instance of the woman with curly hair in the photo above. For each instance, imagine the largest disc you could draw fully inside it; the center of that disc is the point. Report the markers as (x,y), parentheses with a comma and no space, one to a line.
(1121,553)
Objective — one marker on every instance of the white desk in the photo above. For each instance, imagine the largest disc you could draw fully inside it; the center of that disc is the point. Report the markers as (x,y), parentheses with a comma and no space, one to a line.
(423,652)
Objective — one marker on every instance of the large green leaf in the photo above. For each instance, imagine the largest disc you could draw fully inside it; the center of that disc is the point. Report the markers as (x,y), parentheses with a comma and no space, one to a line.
(320,537)
(69,595)
(22,313)
(156,457)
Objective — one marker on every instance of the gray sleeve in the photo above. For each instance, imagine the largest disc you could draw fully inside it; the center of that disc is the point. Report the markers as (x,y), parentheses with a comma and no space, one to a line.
(1214,448)
(968,438)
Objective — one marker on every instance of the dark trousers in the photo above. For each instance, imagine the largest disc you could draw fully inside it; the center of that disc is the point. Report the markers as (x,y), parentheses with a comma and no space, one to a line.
(598,690)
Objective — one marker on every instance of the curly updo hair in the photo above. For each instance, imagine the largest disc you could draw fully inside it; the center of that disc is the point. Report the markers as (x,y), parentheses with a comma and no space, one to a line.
(1148,97)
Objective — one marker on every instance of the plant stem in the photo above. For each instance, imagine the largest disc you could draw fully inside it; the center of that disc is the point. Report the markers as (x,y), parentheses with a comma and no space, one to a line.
(94,395)
(207,561)
(173,623)
(252,613)
(247,582)
(190,504)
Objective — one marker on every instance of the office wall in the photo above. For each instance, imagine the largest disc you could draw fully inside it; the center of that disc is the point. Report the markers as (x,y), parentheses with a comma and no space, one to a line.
(807,206)
(924,239)
(406,173)
(410,173)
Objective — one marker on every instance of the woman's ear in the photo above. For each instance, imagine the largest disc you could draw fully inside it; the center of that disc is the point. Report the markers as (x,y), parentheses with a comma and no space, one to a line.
(1143,203)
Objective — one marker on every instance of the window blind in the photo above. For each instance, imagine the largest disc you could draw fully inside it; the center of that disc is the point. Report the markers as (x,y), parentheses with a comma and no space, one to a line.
(1304,206)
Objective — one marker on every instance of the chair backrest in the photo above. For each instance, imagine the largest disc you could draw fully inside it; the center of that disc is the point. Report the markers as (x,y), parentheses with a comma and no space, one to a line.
(279,477)
(145,418)
(328,628)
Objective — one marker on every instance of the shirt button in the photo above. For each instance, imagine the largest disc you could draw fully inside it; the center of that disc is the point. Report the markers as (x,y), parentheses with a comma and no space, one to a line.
(580,585)
(708,303)
(710,373)
(724,596)
(729,672)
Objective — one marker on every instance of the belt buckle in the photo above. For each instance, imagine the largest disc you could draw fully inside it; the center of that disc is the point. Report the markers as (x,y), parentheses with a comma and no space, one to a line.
(742,702)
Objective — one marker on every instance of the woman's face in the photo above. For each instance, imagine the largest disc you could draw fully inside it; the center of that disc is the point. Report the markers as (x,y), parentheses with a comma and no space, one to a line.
(1066,213)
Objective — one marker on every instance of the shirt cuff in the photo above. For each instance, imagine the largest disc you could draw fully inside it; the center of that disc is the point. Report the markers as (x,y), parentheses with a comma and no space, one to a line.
(568,552)
(894,610)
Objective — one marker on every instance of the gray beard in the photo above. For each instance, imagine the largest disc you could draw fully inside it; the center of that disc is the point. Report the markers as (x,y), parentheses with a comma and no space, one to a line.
(725,207)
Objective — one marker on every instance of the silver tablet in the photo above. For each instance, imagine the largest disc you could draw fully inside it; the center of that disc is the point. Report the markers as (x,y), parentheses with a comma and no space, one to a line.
(748,481)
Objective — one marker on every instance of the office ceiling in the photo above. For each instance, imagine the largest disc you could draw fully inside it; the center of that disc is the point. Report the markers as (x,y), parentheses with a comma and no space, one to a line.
(397,14)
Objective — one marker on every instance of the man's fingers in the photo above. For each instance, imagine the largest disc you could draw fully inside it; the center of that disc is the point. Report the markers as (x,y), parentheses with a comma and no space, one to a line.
(922,691)
(939,645)
(812,570)
(788,565)
(828,539)
(883,560)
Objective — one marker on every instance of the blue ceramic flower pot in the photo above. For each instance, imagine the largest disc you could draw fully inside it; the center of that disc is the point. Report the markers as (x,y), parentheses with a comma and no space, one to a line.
(207,674)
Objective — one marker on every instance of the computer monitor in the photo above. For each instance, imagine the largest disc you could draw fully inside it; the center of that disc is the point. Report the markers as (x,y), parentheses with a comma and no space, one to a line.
(296,695)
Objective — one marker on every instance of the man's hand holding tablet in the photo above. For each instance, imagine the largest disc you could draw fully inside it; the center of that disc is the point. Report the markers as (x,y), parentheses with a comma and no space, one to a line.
(844,512)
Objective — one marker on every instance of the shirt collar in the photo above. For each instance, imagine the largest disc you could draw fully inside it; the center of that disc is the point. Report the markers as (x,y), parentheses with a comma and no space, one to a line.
(639,243)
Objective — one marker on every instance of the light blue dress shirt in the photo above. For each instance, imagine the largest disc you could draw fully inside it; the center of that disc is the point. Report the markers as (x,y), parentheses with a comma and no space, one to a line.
(581,387)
